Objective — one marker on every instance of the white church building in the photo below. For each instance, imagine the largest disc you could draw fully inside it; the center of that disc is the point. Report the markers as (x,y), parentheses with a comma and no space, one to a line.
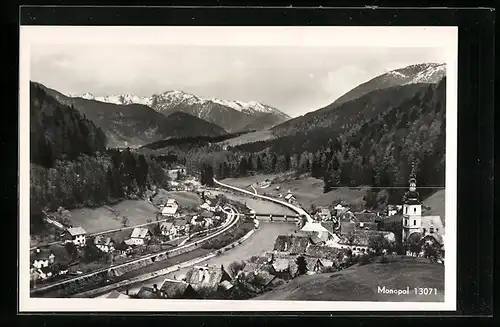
(417,227)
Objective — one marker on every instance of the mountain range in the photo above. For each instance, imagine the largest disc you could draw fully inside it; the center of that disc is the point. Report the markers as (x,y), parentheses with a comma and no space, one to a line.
(135,124)
(233,116)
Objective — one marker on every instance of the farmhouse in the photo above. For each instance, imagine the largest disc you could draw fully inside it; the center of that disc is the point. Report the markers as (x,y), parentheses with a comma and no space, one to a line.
(139,236)
(42,258)
(105,244)
(75,235)
(168,229)
(170,208)
(206,276)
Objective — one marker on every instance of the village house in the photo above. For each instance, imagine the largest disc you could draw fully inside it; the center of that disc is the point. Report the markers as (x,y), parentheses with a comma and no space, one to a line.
(290,198)
(392,210)
(168,229)
(182,226)
(76,235)
(171,289)
(104,243)
(207,277)
(291,244)
(170,208)
(323,214)
(284,265)
(359,240)
(139,236)
(122,248)
(324,256)
(42,258)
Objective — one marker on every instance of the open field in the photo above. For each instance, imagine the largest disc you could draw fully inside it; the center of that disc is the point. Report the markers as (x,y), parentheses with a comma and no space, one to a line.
(360,283)
(260,206)
(307,190)
(101,219)
(436,202)
(262,135)
(184,198)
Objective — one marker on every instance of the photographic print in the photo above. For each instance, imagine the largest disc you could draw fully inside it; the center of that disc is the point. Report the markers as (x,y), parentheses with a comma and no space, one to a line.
(237,168)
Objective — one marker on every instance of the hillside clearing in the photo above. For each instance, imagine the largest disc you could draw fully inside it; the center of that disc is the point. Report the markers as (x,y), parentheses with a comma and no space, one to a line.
(256,136)
(101,219)
(307,190)
(360,283)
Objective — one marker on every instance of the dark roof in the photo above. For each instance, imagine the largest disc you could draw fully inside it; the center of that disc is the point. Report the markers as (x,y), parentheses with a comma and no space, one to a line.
(147,293)
(366,217)
(266,276)
(299,244)
(172,289)
(325,252)
(61,255)
(436,237)
(122,246)
(206,276)
(361,237)
(42,254)
(347,227)
(46,270)
(281,240)
(412,202)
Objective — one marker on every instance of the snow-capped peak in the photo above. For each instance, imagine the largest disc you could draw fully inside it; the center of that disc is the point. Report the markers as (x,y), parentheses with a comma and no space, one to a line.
(430,74)
(173,98)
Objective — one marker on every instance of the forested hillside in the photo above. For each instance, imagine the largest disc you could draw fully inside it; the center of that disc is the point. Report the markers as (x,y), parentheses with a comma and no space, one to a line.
(58,131)
(70,165)
(341,118)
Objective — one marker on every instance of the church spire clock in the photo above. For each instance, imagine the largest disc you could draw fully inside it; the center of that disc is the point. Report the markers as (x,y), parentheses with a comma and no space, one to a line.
(412,208)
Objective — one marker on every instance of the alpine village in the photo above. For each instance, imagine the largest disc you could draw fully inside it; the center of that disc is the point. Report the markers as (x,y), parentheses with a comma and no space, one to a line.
(146,197)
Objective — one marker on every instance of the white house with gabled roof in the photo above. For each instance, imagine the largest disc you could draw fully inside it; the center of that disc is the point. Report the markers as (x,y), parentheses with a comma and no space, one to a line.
(75,235)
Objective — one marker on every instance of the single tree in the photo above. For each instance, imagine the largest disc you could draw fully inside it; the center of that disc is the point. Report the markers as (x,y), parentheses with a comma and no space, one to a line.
(301,265)
(124,221)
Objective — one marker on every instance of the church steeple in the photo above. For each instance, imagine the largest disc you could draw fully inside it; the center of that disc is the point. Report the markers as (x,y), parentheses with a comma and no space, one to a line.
(413,178)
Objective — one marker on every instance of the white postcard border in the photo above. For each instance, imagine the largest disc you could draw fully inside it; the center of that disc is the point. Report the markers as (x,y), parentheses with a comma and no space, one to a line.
(442,37)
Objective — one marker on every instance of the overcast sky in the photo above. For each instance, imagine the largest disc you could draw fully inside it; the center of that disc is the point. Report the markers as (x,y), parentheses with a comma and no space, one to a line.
(293,79)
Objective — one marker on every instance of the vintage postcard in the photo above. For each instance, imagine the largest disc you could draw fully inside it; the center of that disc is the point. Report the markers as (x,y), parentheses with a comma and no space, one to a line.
(237,168)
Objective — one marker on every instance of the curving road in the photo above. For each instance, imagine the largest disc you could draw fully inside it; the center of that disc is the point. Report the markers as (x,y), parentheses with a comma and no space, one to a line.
(230,222)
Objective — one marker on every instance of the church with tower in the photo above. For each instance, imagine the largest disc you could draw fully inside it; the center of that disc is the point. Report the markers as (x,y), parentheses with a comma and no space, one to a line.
(417,227)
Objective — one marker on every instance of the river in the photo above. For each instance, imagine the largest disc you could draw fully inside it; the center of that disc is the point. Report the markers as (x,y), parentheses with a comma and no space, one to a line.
(262,240)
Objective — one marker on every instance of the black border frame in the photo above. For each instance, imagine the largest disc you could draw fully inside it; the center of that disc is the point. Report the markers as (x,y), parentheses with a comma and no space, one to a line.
(475,120)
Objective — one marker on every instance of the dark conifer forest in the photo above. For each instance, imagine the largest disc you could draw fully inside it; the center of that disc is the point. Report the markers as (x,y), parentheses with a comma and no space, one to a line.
(70,165)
